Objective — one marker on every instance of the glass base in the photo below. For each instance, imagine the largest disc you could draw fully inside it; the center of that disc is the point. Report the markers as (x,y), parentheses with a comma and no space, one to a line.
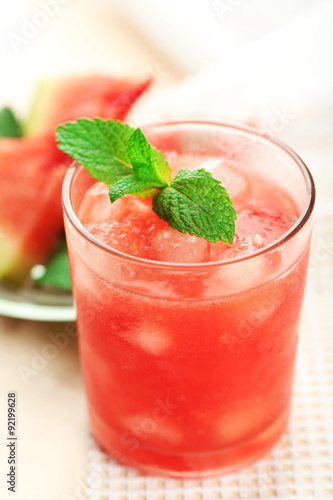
(186,465)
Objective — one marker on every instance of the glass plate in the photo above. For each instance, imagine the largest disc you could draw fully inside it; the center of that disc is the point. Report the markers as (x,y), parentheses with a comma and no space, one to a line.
(36,304)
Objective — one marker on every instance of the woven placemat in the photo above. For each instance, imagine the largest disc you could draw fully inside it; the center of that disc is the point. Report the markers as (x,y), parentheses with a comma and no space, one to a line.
(300,466)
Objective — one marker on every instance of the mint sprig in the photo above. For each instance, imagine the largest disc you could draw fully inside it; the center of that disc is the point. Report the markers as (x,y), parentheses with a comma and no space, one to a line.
(121,157)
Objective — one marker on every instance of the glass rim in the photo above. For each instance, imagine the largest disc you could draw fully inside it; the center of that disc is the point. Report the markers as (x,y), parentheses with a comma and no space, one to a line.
(255,133)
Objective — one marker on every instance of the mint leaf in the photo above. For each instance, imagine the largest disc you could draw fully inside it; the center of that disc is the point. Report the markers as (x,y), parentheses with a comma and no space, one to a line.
(122,158)
(9,125)
(57,271)
(131,185)
(148,163)
(197,204)
(147,175)
(144,193)
(99,145)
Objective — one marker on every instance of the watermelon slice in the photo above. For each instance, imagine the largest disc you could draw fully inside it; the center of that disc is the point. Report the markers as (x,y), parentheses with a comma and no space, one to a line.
(59,101)
(31,172)
(32,168)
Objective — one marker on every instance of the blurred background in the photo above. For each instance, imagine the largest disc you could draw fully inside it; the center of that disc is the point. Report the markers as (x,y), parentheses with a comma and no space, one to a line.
(266,63)
(269,64)
(231,59)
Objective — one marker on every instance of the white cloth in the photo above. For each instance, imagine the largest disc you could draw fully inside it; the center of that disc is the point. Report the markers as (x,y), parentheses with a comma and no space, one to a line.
(286,71)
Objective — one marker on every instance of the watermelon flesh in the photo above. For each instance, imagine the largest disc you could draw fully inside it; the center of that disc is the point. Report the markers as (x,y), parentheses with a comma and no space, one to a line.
(32,168)
(31,172)
(59,101)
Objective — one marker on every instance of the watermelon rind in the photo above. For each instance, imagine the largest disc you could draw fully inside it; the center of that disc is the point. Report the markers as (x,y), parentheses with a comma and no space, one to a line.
(46,90)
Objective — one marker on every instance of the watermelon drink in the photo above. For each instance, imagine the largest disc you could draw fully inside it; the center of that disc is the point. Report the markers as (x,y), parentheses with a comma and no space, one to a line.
(187,346)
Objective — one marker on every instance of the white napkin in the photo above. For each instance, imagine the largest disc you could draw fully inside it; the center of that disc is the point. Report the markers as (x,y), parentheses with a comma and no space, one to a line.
(277,71)
(187,32)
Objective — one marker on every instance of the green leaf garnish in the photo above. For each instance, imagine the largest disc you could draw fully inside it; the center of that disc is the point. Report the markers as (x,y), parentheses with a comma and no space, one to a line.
(149,175)
(99,145)
(9,125)
(148,163)
(196,203)
(56,273)
(130,185)
(121,157)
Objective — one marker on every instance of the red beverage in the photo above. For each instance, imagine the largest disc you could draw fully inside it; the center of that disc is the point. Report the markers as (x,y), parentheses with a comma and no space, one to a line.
(188,347)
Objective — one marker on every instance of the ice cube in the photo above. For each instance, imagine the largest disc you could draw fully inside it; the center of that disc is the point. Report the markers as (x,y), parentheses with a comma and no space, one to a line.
(150,337)
(96,205)
(154,428)
(239,424)
(153,340)
(262,310)
(127,236)
(223,251)
(169,245)
(87,281)
(270,224)
(131,205)
(240,276)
